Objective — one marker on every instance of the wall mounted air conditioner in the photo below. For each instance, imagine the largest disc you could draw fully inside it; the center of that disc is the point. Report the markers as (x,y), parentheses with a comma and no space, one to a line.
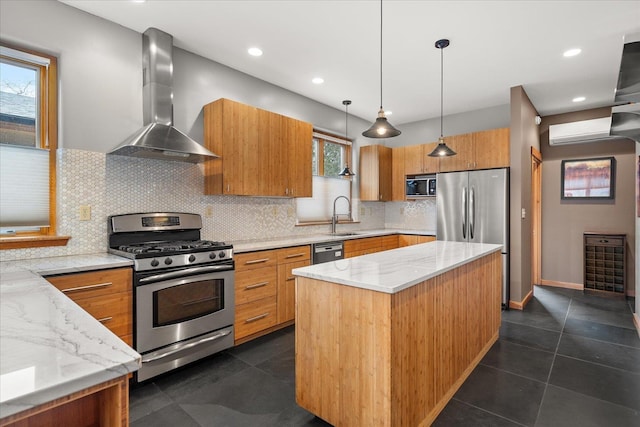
(580,132)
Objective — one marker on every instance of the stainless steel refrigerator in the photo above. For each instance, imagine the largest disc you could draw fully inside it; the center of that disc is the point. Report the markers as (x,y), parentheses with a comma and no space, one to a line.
(473,206)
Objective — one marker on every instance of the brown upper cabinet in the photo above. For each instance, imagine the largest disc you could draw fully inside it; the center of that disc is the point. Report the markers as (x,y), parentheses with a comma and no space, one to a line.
(417,160)
(261,153)
(398,174)
(478,150)
(375,173)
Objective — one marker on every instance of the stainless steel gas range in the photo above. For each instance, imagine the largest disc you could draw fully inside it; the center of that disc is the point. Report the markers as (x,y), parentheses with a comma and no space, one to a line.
(183,288)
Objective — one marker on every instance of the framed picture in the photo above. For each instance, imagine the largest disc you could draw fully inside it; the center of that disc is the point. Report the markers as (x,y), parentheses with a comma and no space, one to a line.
(588,178)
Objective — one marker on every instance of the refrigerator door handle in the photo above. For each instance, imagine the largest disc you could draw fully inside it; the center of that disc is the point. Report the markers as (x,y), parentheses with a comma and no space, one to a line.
(464,213)
(472,210)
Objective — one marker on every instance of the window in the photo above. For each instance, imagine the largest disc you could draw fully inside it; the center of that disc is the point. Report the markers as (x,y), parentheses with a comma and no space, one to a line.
(28,139)
(329,157)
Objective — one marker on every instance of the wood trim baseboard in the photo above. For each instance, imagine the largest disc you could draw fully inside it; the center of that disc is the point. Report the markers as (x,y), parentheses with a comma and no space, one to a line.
(566,285)
(636,322)
(519,305)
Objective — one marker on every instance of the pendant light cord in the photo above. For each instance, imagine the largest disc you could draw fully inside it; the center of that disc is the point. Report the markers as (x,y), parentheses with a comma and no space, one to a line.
(381,54)
(441,88)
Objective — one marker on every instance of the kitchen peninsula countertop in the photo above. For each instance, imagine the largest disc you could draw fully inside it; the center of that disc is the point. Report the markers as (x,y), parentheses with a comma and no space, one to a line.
(49,346)
(283,242)
(397,269)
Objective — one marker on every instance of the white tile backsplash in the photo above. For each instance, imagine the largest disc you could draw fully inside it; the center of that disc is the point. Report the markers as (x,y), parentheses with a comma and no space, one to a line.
(116,185)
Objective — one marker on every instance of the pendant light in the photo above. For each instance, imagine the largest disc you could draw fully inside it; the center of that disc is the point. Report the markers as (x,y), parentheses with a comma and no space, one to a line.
(346,103)
(381,128)
(442,150)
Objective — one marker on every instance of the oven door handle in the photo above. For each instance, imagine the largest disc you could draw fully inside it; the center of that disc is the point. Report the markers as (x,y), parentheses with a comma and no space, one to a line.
(157,356)
(186,272)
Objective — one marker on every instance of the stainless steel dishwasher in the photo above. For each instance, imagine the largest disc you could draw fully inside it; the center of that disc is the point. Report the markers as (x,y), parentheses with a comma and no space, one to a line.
(327,251)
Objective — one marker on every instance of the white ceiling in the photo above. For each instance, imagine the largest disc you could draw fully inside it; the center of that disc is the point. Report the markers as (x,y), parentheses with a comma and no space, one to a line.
(494,45)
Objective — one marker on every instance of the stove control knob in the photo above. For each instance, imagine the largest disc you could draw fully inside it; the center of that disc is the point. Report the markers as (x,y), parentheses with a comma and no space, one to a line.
(222,254)
(192,258)
(212,255)
(168,261)
(155,263)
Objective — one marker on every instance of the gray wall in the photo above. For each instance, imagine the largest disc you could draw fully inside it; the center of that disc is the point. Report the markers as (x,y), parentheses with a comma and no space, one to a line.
(429,130)
(565,221)
(524,135)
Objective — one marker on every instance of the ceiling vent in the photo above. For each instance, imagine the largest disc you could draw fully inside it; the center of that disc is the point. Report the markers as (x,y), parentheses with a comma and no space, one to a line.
(580,132)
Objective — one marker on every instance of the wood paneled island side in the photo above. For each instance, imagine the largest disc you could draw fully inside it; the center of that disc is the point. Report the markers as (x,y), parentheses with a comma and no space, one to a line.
(386,339)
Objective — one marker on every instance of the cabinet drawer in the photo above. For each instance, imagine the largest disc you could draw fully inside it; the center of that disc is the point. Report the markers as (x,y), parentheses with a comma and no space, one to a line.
(94,283)
(255,284)
(295,254)
(389,242)
(249,260)
(113,311)
(604,241)
(363,244)
(255,316)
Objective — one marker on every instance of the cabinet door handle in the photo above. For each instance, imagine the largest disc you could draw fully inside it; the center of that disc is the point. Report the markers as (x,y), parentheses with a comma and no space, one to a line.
(257,261)
(295,255)
(87,287)
(256,285)
(105,319)
(253,319)
(291,278)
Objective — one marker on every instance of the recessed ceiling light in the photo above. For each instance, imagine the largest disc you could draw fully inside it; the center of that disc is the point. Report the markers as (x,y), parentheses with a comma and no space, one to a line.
(317,80)
(572,52)
(578,99)
(255,51)
(138,1)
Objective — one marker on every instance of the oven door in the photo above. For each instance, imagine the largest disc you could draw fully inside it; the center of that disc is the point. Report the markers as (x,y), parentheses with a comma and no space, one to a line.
(175,306)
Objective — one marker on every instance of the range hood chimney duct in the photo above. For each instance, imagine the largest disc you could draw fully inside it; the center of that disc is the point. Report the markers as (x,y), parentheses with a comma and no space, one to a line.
(625,116)
(158,139)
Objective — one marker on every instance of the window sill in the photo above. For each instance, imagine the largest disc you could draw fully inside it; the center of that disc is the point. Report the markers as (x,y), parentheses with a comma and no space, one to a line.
(24,242)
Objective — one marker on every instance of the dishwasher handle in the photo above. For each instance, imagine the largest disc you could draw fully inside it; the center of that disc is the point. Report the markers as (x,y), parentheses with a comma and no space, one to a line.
(327,248)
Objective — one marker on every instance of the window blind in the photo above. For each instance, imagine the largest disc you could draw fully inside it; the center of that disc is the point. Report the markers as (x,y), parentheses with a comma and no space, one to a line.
(24,186)
(319,207)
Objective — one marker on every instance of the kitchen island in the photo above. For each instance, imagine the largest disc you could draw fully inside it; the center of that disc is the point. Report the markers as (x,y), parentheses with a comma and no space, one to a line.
(386,339)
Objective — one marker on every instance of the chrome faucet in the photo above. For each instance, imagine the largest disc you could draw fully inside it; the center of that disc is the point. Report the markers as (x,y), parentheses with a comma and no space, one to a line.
(334,217)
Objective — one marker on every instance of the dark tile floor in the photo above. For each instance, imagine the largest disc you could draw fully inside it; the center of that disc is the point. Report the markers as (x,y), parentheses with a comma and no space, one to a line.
(567,360)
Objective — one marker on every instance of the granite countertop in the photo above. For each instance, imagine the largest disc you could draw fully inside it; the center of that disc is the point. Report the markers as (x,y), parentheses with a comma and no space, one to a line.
(49,346)
(283,242)
(397,269)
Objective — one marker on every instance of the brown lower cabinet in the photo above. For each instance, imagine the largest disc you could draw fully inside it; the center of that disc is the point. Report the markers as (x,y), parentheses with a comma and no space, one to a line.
(107,295)
(265,287)
(265,294)
(413,239)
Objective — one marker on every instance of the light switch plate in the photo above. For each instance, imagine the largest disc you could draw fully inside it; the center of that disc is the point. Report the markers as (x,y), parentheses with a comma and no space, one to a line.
(524,213)
(85,212)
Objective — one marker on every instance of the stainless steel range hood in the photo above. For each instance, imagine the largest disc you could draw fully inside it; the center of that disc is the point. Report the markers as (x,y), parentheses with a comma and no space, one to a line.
(625,116)
(158,139)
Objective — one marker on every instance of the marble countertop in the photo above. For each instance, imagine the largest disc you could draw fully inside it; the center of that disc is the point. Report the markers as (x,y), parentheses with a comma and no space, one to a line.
(397,269)
(283,242)
(49,346)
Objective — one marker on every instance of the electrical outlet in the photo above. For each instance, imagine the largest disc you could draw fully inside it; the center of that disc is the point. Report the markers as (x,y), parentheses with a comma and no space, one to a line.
(401,211)
(275,211)
(208,211)
(362,211)
(290,212)
(85,213)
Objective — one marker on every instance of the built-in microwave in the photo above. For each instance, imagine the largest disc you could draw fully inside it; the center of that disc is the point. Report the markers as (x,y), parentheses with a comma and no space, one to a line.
(420,186)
